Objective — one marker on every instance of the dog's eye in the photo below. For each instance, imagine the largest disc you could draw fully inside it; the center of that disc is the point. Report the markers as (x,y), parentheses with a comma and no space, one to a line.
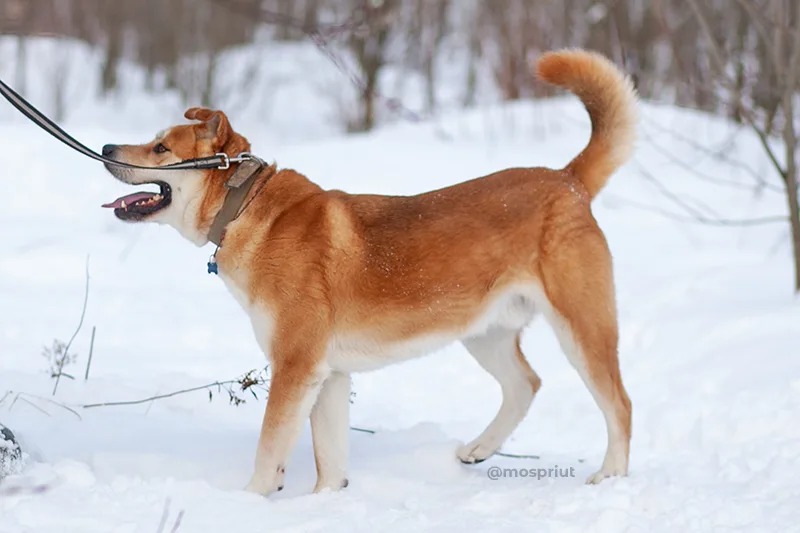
(160,148)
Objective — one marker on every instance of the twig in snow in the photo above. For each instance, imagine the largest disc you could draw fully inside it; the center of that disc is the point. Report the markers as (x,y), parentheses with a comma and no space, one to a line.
(21,396)
(164,515)
(516,455)
(363,430)
(162,396)
(177,523)
(247,382)
(91,350)
(75,334)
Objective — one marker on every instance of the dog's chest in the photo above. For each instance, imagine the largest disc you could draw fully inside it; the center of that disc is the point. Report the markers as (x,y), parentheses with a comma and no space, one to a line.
(261,318)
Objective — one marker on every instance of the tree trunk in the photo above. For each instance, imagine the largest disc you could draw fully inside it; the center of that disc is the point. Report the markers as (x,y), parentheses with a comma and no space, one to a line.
(791,84)
(368,117)
(207,91)
(474,48)
(21,66)
(791,143)
(370,54)
(430,55)
(112,58)
(794,218)
(284,32)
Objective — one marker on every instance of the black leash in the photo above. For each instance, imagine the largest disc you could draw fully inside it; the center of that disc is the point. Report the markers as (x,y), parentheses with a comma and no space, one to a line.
(238,185)
(220,161)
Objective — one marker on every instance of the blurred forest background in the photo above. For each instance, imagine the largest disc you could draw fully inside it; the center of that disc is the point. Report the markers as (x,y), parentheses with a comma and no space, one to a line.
(738,59)
(662,43)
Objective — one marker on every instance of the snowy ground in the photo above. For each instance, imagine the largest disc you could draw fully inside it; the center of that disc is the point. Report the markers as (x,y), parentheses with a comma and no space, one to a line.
(709,350)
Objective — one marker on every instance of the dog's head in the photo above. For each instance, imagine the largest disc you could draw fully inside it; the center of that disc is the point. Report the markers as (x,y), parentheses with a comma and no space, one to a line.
(186,199)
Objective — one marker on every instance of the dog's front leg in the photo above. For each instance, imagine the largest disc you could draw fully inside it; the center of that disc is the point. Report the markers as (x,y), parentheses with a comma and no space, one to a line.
(297,377)
(330,425)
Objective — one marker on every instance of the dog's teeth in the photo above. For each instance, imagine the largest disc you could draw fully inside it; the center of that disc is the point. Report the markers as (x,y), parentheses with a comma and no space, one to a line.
(124,206)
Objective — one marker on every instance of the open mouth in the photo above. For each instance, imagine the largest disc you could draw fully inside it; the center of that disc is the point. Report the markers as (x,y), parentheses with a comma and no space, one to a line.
(139,205)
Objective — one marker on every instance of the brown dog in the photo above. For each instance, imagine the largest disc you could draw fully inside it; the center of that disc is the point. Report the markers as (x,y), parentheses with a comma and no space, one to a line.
(336,283)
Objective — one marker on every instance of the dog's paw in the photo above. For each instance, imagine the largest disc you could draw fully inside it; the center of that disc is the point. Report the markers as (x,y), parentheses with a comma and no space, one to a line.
(259,486)
(604,473)
(332,485)
(266,485)
(474,453)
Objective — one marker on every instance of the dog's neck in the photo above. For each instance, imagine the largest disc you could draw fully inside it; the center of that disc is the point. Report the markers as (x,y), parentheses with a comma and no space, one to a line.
(272,194)
(241,190)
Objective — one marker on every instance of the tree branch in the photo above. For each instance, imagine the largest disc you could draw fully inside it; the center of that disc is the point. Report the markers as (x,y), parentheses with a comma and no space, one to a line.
(717,58)
(721,154)
(695,214)
(761,30)
(748,222)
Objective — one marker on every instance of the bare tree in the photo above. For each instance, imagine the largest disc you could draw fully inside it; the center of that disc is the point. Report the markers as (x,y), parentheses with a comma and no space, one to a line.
(511,44)
(114,22)
(369,48)
(426,28)
(782,45)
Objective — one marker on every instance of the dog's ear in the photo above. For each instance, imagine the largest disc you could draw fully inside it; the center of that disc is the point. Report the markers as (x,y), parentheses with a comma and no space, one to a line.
(215,127)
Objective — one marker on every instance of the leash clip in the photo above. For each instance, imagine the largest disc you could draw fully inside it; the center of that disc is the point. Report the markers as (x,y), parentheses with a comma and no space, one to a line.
(241,158)
(226,161)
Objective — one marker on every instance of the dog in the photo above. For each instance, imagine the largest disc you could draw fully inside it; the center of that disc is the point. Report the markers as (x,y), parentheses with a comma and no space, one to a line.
(336,283)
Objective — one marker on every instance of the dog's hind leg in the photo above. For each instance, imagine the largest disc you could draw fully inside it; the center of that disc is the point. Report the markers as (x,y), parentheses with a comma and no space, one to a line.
(498,353)
(330,425)
(579,287)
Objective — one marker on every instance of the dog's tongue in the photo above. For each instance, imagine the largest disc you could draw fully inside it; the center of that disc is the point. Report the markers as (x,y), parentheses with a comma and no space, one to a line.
(130,199)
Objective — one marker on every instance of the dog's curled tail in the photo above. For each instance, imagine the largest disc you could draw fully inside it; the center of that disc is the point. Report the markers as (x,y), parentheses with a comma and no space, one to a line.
(610,99)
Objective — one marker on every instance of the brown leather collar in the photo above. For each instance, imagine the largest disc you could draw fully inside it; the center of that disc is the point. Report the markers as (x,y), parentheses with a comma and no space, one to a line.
(238,185)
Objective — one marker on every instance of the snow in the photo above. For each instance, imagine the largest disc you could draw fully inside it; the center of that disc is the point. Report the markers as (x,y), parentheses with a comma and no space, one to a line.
(708,349)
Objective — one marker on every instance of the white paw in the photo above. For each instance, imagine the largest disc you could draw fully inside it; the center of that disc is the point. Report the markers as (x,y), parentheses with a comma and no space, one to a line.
(258,486)
(266,485)
(332,485)
(604,473)
(473,453)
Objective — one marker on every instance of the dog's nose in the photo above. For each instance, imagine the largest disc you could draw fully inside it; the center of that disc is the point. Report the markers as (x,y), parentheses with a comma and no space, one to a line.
(109,149)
